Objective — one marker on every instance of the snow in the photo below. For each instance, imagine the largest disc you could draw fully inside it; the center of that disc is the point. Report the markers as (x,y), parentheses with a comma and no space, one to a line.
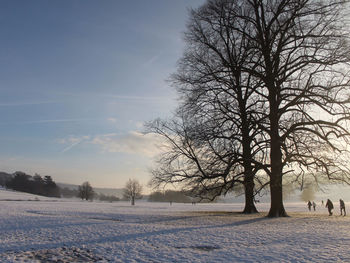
(55,230)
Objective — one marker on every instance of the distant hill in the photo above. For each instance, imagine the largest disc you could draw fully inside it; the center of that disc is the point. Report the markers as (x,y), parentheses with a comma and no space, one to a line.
(118,192)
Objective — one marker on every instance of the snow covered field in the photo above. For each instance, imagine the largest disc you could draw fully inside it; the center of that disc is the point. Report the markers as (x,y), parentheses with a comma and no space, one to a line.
(54,230)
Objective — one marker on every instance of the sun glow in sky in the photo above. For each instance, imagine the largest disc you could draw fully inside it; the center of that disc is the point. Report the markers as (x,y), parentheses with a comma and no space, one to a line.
(79,78)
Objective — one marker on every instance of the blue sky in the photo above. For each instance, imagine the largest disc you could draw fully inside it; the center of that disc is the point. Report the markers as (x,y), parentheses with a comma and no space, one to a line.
(78,79)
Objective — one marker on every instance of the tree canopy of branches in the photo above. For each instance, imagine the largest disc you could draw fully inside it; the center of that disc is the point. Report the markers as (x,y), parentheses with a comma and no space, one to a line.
(85,191)
(132,191)
(303,64)
(218,137)
(264,88)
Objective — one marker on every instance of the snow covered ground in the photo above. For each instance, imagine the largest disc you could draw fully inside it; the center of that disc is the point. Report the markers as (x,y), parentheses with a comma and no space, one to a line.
(39,229)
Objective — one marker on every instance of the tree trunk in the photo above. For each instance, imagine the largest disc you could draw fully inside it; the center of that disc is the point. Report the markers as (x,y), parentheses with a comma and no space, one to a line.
(277,208)
(249,196)
(133,200)
(247,156)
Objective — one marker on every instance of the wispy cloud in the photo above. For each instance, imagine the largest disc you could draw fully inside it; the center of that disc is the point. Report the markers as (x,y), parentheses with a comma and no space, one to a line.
(153,59)
(70,146)
(130,143)
(72,142)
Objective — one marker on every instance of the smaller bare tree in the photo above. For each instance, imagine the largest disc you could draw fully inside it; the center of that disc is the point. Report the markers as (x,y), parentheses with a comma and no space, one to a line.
(85,191)
(132,191)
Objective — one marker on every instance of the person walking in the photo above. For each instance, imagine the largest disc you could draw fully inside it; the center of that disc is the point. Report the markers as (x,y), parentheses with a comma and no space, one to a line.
(314,205)
(309,205)
(342,207)
(330,206)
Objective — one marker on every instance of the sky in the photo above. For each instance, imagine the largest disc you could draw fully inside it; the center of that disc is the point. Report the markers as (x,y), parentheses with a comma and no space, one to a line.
(79,78)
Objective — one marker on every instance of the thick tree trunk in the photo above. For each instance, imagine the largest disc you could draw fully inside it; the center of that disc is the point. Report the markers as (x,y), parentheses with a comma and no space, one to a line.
(249,196)
(132,200)
(277,208)
(247,157)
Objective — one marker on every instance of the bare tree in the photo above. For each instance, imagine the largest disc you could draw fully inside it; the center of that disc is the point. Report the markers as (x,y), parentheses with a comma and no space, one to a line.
(301,60)
(85,191)
(304,59)
(132,190)
(221,97)
(278,69)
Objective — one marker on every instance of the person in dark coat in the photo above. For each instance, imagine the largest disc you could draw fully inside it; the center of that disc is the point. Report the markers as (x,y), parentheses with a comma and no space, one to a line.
(314,205)
(330,206)
(342,207)
(309,205)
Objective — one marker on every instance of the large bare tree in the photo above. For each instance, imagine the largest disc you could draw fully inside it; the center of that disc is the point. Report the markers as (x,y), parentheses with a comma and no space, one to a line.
(299,55)
(218,113)
(304,65)
(274,68)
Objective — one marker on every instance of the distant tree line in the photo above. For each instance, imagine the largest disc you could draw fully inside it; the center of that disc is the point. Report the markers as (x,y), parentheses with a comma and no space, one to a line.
(69,192)
(107,198)
(169,196)
(36,184)
(81,192)
(45,186)
(4,177)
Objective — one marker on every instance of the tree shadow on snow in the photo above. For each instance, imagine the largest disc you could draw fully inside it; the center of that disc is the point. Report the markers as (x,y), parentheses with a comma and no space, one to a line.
(143,235)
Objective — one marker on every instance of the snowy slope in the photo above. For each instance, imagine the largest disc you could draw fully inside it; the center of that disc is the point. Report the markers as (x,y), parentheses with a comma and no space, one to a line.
(75,231)
(10,195)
